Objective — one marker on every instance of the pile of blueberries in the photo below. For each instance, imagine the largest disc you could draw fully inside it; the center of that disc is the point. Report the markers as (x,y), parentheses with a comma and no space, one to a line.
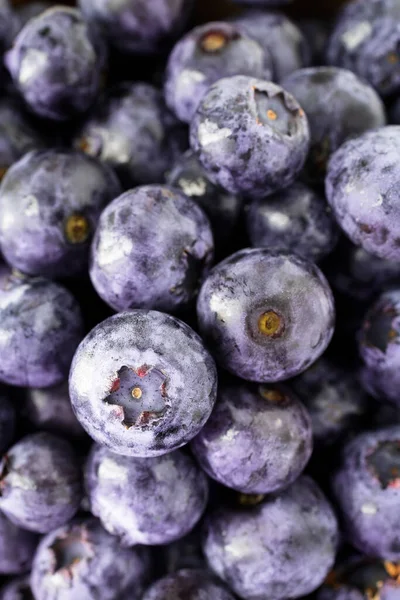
(199,302)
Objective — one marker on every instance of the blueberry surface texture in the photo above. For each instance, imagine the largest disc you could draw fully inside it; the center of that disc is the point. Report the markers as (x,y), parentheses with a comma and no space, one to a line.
(204,55)
(190,584)
(250,135)
(281,548)
(266,316)
(152,249)
(56,64)
(142,383)
(17,547)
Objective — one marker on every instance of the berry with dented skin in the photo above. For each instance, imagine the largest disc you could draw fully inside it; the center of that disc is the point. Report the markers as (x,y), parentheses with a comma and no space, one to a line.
(296,219)
(338,105)
(50,203)
(40,329)
(361,187)
(204,55)
(266,316)
(258,439)
(160,499)
(152,248)
(17,547)
(367,489)
(81,561)
(281,548)
(40,482)
(132,131)
(56,64)
(133,392)
(17,589)
(190,584)
(250,135)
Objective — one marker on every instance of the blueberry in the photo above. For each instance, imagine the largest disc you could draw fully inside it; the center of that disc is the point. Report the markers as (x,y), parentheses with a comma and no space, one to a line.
(40,329)
(281,39)
(361,187)
(40,482)
(223,209)
(266,316)
(204,55)
(7,420)
(258,439)
(190,584)
(339,106)
(296,219)
(380,348)
(139,27)
(145,500)
(17,547)
(133,131)
(365,40)
(366,487)
(50,202)
(17,589)
(80,561)
(250,135)
(56,64)
(281,548)
(134,391)
(152,248)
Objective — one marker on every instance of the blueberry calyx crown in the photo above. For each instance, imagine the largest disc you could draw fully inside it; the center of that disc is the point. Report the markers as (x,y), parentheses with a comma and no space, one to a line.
(250,499)
(215,40)
(271,324)
(384,463)
(69,551)
(272,395)
(274,109)
(77,229)
(379,331)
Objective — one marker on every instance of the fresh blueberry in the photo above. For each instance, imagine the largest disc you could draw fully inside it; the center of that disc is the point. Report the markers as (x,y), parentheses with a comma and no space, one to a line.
(367,488)
(142,383)
(339,106)
(361,187)
(50,202)
(17,589)
(281,548)
(258,439)
(223,209)
(145,500)
(40,482)
(133,131)
(296,219)
(7,420)
(380,347)
(152,248)
(250,135)
(56,64)
(17,547)
(365,40)
(208,53)
(80,561)
(266,316)
(190,584)
(281,39)
(139,27)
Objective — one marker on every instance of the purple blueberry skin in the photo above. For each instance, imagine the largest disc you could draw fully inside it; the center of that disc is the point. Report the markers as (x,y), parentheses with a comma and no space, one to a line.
(40,482)
(280,38)
(152,248)
(147,501)
(258,439)
(250,136)
(281,548)
(40,196)
(50,410)
(40,329)
(132,131)
(365,40)
(142,383)
(339,106)
(190,584)
(17,589)
(296,219)
(361,187)
(17,547)
(139,27)
(205,55)
(334,400)
(81,561)
(367,489)
(56,64)
(380,347)
(222,209)
(7,420)
(289,293)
